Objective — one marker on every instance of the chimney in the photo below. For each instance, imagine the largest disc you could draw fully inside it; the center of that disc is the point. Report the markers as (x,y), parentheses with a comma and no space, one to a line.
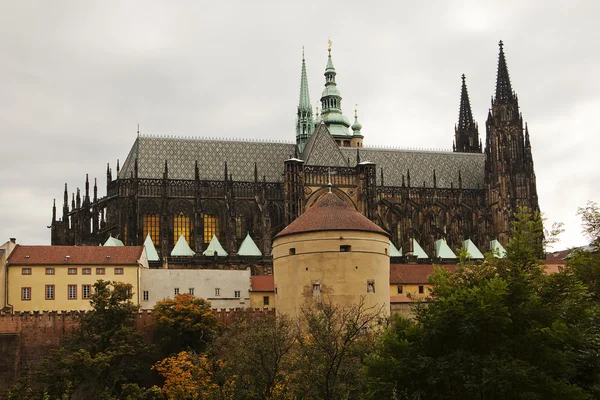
(13,240)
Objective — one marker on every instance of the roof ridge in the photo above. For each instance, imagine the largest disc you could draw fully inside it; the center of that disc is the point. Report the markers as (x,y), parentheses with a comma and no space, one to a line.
(216,139)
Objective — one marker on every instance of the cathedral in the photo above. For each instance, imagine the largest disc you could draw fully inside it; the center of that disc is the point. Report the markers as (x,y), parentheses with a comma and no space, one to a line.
(226,190)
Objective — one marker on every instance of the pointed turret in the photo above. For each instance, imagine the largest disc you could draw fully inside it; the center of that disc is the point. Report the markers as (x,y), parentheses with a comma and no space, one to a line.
(503,89)
(304,119)
(466,133)
(356,126)
(65,204)
(54,211)
(95,190)
(86,199)
(331,105)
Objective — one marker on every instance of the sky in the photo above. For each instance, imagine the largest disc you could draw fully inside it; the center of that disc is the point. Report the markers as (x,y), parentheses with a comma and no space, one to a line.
(78,76)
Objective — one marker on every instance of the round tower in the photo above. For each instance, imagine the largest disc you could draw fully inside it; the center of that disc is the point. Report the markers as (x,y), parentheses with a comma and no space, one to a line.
(332,253)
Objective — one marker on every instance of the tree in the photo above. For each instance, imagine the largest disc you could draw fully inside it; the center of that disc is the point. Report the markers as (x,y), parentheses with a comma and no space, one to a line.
(256,350)
(332,345)
(184,323)
(103,358)
(499,330)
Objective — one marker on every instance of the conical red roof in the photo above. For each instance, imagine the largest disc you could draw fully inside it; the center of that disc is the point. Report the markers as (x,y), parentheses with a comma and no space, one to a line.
(330,213)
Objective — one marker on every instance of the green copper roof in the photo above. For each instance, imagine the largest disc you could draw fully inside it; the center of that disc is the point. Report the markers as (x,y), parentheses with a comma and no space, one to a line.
(473,251)
(304,103)
(394,252)
(215,246)
(150,249)
(442,250)
(182,248)
(497,249)
(331,103)
(329,67)
(418,250)
(356,126)
(111,241)
(248,248)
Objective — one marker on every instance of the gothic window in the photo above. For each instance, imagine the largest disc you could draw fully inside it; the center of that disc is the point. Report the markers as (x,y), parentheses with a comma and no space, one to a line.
(211,227)
(151,225)
(240,227)
(181,227)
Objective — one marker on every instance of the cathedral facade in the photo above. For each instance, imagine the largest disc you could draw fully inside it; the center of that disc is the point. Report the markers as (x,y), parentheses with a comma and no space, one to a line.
(199,188)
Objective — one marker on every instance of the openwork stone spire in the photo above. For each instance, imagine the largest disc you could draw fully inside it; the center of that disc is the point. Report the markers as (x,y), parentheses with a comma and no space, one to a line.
(304,122)
(466,133)
(503,89)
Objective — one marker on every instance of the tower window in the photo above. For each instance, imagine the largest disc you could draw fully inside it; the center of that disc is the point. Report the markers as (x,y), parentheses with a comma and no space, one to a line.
(345,248)
(316,289)
(400,289)
(211,227)
(292,251)
(181,227)
(370,286)
(265,300)
(421,289)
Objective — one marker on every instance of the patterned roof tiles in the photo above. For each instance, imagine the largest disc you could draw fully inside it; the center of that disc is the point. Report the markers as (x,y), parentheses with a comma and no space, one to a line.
(181,155)
(330,213)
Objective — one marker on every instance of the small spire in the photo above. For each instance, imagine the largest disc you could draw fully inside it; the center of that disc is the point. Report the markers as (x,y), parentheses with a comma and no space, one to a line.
(503,88)
(138,129)
(408,177)
(95,190)
(54,211)
(329,185)
(434,179)
(381,173)
(108,173)
(166,172)
(87,188)
(465,115)
(196,171)
(357,155)
(226,174)
(255,172)
(356,126)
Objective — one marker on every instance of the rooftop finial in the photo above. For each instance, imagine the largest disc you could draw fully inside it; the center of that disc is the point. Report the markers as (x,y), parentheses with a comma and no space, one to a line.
(503,87)
(356,110)
(329,43)
(302,53)
(329,185)
(138,129)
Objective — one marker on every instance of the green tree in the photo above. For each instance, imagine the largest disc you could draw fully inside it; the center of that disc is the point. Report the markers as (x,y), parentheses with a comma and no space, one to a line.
(499,330)
(105,355)
(184,323)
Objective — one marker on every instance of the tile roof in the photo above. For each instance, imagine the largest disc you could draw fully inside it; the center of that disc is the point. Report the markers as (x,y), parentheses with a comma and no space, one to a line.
(181,155)
(77,255)
(211,154)
(413,273)
(330,213)
(421,164)
(262,283)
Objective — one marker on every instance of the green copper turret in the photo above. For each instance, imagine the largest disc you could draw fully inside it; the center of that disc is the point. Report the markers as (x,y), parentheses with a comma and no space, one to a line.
(304,121)
(331,104)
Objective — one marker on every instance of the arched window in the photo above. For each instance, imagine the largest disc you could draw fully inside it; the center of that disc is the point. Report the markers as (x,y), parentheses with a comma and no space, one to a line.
(151,225)
(211,227)
(181,226)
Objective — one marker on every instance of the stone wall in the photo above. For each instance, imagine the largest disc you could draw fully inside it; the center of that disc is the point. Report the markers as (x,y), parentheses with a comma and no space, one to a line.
(26,338)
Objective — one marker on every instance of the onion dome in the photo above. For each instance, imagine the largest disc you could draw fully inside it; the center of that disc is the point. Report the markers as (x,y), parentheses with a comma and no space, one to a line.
(330,213)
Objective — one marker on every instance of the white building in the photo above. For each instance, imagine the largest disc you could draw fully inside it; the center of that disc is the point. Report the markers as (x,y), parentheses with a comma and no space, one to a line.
(223,288)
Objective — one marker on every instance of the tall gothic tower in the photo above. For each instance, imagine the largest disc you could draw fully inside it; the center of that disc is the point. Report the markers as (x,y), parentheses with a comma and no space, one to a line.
(509,174)
(304,120)
(466,133)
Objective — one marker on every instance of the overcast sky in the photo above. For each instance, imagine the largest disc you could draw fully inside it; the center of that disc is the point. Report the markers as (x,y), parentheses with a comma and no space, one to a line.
(77,77)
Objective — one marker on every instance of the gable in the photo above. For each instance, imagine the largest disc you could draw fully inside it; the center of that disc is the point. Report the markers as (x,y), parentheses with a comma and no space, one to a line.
(322,150)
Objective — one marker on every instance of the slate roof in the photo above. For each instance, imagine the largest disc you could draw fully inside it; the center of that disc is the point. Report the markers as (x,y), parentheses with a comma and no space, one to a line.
(211,154)
(77,255)
(181,154)
(421,164)
(330,213)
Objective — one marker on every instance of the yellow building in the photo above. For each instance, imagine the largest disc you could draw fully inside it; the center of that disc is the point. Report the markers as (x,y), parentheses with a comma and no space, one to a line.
(62,277)
(5,251)
(262,291)
(331,252)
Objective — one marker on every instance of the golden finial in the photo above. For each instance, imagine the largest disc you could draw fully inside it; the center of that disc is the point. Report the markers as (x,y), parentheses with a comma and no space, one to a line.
(303,52)
(356,110)
(329,45)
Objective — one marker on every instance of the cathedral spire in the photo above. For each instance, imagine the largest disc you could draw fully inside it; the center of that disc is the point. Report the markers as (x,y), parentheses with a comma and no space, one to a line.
(304,120)
(466,134)
(503,89)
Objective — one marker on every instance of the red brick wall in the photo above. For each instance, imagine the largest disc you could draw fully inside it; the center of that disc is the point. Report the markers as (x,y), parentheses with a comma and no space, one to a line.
(40,332)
